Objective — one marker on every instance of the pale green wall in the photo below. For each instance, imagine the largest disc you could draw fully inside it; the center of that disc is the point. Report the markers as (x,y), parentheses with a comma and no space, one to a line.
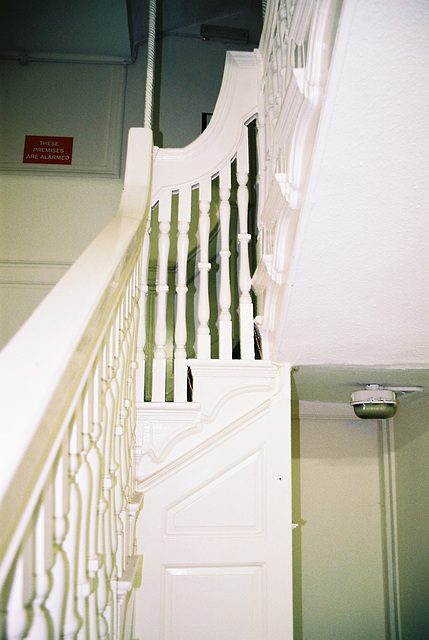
(411,425)
(338,548)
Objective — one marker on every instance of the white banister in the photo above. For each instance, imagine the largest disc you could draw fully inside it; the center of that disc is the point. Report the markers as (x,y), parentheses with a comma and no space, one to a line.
(217,145)
(176,172)
(203,332)
(67,480)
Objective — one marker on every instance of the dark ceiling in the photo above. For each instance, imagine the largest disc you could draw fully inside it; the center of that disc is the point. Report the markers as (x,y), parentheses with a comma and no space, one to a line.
(112,27)
(173,15)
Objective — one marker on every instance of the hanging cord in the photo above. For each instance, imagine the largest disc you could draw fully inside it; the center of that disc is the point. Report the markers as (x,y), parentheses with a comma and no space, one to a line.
(150,65)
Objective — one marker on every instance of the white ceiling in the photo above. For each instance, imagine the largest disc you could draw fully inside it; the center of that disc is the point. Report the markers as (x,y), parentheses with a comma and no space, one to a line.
(358,290)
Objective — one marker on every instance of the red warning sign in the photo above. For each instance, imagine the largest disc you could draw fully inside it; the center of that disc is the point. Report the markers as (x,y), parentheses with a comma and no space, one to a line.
(48,150)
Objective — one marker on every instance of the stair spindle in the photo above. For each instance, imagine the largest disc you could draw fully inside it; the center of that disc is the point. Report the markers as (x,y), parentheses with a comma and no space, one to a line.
(141,335)
(180,364)
(225,322)
(203,332)
(159,356)
(85,484)
(72,619)
(13,614)
(41,621)
(246,306)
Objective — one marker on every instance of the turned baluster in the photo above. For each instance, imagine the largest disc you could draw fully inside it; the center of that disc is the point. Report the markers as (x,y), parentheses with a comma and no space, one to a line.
(246,307)
(107,535)
(43,539)
(120,432)
(283,29)
(84,482)
(56,601)
(13,614)
(225,322)
(270,98)
(111,460)
(141,337)
(94,462)
(203,332)
(262,159)
(103,539)
(73,621)
(275,79)
(159,356)
(131,399)
(180,335)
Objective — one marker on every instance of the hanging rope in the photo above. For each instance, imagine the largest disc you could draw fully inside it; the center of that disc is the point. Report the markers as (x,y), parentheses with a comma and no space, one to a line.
(150,65)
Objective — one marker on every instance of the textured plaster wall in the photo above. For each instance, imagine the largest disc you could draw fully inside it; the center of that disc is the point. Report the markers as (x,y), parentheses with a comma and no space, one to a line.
(357,292)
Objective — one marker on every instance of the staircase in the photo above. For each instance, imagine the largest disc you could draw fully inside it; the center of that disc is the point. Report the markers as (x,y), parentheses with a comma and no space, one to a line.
(145,482)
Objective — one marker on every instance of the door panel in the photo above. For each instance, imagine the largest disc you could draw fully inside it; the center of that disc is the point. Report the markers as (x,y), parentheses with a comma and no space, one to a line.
(215,534)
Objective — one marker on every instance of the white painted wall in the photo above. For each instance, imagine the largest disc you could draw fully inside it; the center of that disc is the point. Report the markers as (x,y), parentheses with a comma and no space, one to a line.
(357,291)
(411,425)
(338,562)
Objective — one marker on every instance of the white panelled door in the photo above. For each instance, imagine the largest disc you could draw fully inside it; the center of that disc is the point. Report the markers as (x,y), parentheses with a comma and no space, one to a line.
(215,531)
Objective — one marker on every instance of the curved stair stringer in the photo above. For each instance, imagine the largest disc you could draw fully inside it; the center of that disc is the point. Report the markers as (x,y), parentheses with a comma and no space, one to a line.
(170,431)
(215,530)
